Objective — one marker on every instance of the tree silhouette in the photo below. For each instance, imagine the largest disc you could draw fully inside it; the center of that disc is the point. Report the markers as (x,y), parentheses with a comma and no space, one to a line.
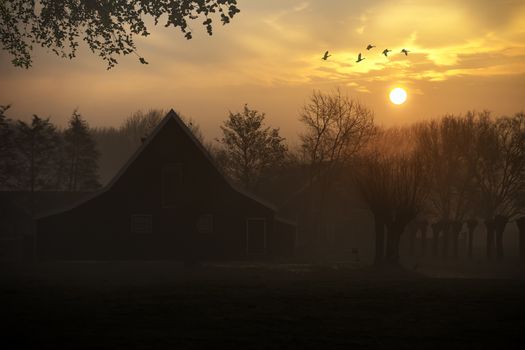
(373,182)
(81,155)
(499,159)
(139,125)
(250,147)
(471,225)
(117,144)
(337,127)
(443,145)
(393,187)
(374,177)
(408,193)
(520,222)
(108,27)
(38,145)
(423,228)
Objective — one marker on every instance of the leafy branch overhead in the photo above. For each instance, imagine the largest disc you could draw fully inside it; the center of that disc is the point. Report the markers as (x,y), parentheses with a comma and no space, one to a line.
(107,26)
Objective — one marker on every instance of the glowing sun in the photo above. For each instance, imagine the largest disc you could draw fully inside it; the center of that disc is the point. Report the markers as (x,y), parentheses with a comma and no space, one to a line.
(398,96)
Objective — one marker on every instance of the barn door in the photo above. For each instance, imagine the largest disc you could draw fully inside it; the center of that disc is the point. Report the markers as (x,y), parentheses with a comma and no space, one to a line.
(256,237)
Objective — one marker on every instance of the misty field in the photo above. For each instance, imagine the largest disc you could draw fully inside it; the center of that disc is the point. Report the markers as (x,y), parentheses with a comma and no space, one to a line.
(164,305)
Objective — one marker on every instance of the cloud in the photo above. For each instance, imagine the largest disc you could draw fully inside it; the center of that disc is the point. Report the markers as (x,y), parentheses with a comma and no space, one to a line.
(277,45)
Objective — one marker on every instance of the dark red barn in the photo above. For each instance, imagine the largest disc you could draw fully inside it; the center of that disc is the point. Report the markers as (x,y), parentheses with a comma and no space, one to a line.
(168,202)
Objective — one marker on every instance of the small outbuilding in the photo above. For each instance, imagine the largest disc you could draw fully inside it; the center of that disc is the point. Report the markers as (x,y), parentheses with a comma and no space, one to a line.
(169,202)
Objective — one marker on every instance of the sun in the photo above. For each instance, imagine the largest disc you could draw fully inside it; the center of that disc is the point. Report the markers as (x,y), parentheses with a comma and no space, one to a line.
(398,96)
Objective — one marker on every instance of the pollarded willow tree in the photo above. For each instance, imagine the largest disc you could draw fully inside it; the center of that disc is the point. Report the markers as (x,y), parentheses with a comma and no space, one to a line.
(499,160)
(444,146)
(392,182)
(394,188)
(107,26)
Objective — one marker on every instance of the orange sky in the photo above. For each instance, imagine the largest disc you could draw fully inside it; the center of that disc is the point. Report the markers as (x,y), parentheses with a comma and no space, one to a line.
(464,55)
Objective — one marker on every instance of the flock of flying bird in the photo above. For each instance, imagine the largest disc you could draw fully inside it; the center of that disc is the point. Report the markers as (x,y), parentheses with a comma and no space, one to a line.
(368,48)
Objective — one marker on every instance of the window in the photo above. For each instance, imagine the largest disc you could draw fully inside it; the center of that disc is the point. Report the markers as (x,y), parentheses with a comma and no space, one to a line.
(172,184)
(205,224)
(256,236)
(141,223)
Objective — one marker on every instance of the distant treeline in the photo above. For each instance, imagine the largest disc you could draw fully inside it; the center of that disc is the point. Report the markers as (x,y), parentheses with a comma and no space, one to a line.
(117,144)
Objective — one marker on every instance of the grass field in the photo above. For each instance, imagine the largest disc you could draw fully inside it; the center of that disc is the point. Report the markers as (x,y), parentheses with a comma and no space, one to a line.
(164,305)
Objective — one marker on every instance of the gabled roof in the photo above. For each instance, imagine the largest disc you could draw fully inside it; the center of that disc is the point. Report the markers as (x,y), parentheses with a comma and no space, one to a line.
(171,115)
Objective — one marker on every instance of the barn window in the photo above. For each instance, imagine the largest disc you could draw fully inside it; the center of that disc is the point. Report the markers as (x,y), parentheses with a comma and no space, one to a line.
(256,236)
(172,184)
(141,223)
(205,224)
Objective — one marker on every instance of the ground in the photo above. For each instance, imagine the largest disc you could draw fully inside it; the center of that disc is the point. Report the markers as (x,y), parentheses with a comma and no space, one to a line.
(255,306)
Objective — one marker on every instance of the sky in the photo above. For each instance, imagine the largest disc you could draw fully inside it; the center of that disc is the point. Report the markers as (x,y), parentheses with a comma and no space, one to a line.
(464,55)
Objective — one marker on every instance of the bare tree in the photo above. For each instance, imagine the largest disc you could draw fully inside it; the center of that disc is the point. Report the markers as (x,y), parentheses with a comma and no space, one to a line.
(442,145)
(408,194)
(499,160)
(336,129)
(116,145)
(373,182)
(520,222)
(139,125)
(394,188)
(373,175)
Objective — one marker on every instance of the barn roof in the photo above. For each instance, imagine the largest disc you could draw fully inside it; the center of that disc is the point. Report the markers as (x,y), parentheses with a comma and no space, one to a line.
(171,115)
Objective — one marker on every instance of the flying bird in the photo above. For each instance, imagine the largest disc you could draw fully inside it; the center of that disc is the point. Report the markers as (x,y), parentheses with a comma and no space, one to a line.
(326,55)
(386,51)
(405,51)
(370,46)
(359,58)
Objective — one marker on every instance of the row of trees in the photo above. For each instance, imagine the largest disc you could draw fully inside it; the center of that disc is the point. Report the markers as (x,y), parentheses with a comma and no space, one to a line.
(248,150)
(117,144)
(37,156)
(455,170)
(440,174)
(452,172)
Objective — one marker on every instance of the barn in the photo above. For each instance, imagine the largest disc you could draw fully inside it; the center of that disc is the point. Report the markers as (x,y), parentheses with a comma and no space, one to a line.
(168,202)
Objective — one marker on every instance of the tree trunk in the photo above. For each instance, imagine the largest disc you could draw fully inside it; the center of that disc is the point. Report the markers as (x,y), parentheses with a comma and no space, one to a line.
(489,225)
(500,223)
(322,242)
(436,229)
(32,174)
(471,227)
(446,239)
(521,227)
(424,228)
(392,247)
(379,227)
(455,232)
(412,240)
